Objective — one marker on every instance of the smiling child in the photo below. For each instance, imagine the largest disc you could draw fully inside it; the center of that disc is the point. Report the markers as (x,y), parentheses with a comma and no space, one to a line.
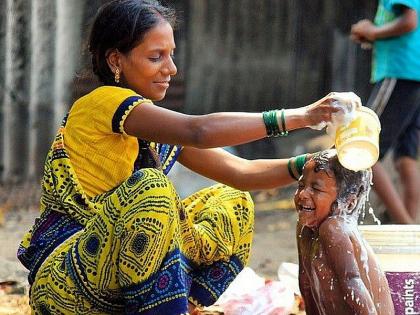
(338,272)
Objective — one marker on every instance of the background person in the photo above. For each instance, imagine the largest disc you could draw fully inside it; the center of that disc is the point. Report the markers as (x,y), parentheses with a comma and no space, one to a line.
(338,271)
(396,99)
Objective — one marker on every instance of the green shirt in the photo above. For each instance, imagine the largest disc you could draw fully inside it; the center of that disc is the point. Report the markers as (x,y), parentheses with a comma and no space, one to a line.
(396,57)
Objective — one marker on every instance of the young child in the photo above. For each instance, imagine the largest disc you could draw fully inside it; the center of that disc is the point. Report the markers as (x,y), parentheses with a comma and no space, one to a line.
(338,272)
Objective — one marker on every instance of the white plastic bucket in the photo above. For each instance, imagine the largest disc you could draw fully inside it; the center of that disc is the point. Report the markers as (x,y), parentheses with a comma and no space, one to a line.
(397,248)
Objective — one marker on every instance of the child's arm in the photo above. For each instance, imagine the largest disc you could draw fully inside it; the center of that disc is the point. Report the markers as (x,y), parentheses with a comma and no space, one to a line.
(303,242)
(341,258)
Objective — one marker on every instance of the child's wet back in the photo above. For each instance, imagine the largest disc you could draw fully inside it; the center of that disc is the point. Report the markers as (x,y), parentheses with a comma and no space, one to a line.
(338,272)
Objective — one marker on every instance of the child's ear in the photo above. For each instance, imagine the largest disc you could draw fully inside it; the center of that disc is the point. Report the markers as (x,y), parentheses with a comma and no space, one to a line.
(334,207)
(351,202)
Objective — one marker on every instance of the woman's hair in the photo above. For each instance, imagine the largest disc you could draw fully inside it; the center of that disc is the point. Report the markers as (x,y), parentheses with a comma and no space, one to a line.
(122,25)
(348,182)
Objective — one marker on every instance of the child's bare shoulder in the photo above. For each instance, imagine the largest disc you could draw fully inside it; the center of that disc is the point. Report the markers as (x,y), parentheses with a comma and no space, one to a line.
(334,227)
(335,238)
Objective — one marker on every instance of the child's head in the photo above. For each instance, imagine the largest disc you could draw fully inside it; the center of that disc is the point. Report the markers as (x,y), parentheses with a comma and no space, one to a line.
(327,188)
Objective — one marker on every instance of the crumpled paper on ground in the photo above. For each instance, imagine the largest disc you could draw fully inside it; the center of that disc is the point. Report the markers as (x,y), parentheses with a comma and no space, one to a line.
(288,273)
(250,294)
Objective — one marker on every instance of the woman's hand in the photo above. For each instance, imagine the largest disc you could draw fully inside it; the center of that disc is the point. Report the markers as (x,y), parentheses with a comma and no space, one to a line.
(315,115)
(319,113)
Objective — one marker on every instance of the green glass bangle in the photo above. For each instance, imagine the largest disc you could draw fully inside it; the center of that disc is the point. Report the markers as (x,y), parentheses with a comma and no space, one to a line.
(283,124)
(267,124)
(289,168)
(300,161)
(271,123)
(275,123)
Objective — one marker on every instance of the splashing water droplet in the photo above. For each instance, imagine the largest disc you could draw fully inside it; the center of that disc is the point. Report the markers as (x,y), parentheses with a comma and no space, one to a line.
(375,219)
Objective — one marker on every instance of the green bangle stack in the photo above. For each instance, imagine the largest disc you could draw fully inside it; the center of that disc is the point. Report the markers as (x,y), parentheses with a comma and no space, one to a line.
(295,165)
(272,125)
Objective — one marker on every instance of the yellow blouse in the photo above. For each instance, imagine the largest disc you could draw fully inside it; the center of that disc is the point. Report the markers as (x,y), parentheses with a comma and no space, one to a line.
(101,153)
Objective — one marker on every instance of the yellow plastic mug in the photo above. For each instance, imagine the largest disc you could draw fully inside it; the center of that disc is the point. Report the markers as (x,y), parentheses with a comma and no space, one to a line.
(357,143)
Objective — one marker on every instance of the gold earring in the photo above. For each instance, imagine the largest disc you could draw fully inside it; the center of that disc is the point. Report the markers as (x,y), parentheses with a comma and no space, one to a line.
(117,75)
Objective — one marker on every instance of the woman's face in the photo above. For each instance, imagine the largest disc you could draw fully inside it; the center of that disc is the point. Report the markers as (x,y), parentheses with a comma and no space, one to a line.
(315,195)
(148,67)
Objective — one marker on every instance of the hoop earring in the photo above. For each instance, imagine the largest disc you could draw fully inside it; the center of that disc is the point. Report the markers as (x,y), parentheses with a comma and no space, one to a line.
(117,75)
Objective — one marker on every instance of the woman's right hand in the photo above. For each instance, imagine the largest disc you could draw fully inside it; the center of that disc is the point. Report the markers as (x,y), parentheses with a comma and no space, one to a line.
(315,115)
(319,113)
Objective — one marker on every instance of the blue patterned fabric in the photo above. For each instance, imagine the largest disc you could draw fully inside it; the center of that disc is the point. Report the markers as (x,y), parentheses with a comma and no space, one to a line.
(165,292)
(178,280)
(49,231)
(168,154)
(209,282)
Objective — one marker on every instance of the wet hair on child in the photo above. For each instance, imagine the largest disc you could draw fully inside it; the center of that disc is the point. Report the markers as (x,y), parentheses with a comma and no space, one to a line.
(348,182)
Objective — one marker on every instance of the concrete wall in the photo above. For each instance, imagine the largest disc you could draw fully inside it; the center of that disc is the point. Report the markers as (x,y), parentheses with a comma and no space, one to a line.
(239,55)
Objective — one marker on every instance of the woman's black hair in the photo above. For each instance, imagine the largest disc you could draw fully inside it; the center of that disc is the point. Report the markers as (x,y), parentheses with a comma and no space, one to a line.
(122,24)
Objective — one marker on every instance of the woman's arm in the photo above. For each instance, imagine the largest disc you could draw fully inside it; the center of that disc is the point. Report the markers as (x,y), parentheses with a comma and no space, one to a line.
(341,257)
(365,30)
(153,123)
(242,174)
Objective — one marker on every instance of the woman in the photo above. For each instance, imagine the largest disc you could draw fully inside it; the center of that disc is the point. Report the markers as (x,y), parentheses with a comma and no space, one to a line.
(113,236)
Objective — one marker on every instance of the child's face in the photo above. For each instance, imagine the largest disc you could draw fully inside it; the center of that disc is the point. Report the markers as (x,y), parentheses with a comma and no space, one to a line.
(315,195)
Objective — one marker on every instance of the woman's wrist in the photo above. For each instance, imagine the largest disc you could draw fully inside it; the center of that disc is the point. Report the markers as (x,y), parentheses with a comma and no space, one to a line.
(279,122)
(274,121)
(295,118)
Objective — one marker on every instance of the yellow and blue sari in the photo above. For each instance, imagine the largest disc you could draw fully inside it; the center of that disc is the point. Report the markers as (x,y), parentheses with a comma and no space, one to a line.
(135,249)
